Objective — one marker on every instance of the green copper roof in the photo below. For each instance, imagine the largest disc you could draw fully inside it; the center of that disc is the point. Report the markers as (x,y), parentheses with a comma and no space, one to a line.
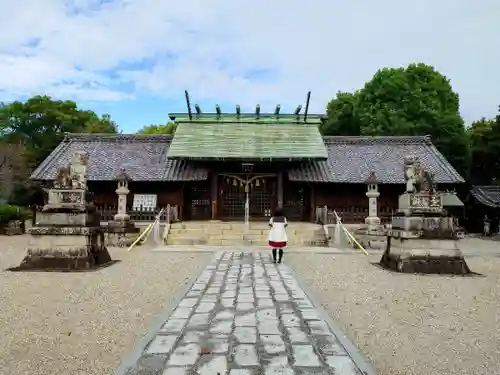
(247,138)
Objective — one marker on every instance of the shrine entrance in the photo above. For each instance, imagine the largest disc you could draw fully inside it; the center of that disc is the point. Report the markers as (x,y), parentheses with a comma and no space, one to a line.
(233,190)
(197,204)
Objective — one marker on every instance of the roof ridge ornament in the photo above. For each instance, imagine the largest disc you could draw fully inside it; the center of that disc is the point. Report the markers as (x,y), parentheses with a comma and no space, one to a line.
(249,117)
(188,103)
(198,110)
(218,111)
(306,111)
(297,112)
(277,111)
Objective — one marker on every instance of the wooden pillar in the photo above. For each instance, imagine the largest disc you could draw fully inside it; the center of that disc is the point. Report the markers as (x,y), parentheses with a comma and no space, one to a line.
(181,205)
(214,192)
(279,189)
(312,217)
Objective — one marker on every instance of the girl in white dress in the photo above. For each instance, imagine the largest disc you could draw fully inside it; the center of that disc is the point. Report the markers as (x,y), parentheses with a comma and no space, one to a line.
(277,234)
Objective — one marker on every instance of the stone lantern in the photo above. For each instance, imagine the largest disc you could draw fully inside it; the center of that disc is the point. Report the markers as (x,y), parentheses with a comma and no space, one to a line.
(122,192)
(372,234)
(121,230)
(372,194)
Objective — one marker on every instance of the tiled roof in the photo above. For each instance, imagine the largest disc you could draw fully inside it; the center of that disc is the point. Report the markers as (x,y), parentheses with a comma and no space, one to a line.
(353,159)
(260,140)
(487,195)
(143,157)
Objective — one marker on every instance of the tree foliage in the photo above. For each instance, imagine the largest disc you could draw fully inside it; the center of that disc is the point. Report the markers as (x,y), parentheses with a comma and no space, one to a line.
(416,100)
(40,123)
(342,119)
(485,151)
(159,129)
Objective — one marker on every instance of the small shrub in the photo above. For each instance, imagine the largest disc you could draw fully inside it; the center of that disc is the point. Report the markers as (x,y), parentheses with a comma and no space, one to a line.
(10,212)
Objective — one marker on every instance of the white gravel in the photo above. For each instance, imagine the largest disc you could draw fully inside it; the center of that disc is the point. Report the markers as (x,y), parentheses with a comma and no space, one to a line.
(84,323)
(410,324)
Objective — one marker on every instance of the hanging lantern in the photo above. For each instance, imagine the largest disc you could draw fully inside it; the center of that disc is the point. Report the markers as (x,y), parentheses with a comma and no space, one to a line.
(235,182)
(257,183)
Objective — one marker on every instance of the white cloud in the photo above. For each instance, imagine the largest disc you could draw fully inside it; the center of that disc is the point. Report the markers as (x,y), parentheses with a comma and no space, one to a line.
(67,48)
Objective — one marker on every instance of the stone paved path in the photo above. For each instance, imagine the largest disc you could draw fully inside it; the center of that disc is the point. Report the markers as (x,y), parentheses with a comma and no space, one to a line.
(244,316)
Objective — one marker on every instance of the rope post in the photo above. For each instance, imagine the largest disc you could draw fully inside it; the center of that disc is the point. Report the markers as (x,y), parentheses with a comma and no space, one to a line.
(348,234)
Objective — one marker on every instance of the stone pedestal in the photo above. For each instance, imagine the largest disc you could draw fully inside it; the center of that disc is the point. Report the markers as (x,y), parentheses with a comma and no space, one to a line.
(372,236)
(121,233)
(14,228)
(422,237)
(423,242)
(62,239)
(67,234)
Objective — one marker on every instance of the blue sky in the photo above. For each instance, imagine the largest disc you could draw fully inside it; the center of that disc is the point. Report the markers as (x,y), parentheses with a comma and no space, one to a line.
(134,58)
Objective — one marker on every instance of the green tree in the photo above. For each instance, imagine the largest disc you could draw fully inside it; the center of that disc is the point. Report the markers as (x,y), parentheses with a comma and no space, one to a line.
(341,113)
(40,123)
(485,151)
(159,129)
(416,100)
(100,124)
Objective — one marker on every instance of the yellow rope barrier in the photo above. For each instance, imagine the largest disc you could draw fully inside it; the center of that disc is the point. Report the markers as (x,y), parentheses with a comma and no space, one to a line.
(140,237)
(349,235)
(147,230)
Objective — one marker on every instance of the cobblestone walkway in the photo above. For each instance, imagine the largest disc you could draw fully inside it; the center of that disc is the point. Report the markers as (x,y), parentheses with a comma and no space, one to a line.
(244,316)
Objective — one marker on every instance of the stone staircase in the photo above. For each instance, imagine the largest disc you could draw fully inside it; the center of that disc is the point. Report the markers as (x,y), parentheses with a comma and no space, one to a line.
(218,233)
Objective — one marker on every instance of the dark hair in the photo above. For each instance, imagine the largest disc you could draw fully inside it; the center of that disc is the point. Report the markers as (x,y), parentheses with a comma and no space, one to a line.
(278,212)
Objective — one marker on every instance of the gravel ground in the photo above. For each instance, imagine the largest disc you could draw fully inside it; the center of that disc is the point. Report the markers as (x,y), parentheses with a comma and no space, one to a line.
(410,324)
(84,323)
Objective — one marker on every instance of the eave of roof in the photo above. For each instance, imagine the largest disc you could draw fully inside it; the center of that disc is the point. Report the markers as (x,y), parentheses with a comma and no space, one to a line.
(489,195)
(352,159)
(142,156)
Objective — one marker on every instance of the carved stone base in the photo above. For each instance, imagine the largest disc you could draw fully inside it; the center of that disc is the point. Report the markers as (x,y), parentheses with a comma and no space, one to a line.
(63,248)
(121,239)
(15,231)
(121,233)
(372,236)
(424,256)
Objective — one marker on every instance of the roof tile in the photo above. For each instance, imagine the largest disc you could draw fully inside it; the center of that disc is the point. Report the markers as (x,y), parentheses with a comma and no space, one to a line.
(352,159)
(488,195)
(256,141)
(143,157)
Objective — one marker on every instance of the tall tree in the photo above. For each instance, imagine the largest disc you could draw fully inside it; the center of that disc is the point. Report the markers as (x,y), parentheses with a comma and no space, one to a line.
(416,100)
(99,124)
(485,151)
(40,123)
(159,129)
(342,117)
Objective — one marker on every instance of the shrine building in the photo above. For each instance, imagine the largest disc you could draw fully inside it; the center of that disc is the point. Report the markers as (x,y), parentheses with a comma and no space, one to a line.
(214,159)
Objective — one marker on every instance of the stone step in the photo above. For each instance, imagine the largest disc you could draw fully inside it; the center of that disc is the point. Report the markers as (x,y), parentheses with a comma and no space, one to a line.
(233,233)
(236,236)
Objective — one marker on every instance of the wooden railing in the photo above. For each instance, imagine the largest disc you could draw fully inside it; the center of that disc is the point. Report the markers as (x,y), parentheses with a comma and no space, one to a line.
(350,215)
(171,213)
(108,212)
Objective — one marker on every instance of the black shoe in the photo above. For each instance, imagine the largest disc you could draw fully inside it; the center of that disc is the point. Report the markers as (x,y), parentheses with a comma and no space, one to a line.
(281,256)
